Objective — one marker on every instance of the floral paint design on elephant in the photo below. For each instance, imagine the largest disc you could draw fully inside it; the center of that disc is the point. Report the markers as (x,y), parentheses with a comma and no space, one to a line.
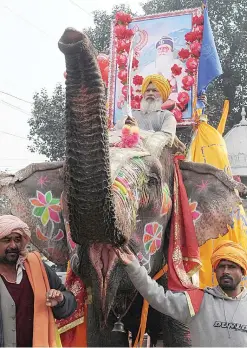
(41,236)
(166,200)
(43,181)
(152,240)
(152,237)
(195,213)
(48,209)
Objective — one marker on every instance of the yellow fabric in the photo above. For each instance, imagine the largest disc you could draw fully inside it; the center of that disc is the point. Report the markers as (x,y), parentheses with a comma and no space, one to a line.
(222,124)
(57,337)
(161,83)
(208,146)
(228,250)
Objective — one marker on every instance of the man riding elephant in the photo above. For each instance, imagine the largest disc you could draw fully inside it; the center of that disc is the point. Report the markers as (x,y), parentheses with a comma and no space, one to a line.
(155,91)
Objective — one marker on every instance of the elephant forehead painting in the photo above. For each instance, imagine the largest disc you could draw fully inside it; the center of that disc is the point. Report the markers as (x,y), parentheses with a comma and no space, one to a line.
(110,197)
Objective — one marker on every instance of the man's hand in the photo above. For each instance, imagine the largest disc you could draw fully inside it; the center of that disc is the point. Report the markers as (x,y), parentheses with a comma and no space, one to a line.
(125,255)
(53,297)
(203,98)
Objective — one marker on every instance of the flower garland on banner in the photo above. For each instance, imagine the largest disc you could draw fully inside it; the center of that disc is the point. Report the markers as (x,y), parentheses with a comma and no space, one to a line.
(190,56)
(123,41)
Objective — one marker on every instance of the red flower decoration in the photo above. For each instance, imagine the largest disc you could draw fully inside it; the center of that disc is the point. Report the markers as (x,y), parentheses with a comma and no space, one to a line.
(122,60)
(125,90)
(177,114)
(188,82)
(135,104)
(129,33)
(198,20)
(184,54)
(122,75)
(123,18)
(137,80)
(127,46)
(105,74)
(198,29)
(138,98)
(196,48)
(192,64)
(198,32)
(135,63)
(120,46)
(183,98)
(190,37)
(120,31)
(182,106)
(176,70)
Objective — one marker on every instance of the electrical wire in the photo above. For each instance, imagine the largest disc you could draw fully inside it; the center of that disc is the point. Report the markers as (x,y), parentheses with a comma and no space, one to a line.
(15,107)
(13,135)
(75,4)
(30,23)
(13,96)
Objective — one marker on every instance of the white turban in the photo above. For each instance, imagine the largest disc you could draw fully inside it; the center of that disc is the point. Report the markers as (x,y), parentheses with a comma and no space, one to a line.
(11,223)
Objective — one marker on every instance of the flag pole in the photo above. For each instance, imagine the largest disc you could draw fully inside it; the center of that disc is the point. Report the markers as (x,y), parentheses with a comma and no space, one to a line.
(130,61)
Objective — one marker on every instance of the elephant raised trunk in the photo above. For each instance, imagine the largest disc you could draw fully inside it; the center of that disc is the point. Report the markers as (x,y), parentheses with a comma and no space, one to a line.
(87,179)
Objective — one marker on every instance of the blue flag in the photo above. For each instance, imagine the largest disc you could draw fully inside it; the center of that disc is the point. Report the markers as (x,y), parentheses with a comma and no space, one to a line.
(209,65)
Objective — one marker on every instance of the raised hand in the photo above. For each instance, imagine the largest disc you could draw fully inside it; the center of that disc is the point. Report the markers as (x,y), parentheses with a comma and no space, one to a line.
(125,255)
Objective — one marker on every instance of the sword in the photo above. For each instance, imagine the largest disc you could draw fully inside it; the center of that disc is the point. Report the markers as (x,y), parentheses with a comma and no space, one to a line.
(129,72)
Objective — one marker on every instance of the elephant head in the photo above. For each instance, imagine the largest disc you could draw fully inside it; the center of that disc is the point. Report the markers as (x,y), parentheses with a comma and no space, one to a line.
(123,196)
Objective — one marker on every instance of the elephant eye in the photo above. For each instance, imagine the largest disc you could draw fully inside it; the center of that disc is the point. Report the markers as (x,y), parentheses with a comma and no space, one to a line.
(152,181)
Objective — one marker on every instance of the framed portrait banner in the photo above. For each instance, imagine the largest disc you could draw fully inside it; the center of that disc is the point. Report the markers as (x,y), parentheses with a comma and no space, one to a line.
(167,44)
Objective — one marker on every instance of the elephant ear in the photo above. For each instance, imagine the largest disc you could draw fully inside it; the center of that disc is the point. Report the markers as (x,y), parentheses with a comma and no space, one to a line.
(212,197)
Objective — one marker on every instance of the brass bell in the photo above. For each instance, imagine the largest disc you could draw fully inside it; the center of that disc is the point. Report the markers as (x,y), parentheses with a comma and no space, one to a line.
(118,326)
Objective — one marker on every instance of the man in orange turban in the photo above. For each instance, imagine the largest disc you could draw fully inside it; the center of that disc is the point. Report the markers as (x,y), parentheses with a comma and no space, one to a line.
(229,261)
(221,315)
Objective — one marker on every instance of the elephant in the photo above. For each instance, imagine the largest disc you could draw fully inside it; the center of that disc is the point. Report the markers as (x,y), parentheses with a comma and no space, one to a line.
(104,196)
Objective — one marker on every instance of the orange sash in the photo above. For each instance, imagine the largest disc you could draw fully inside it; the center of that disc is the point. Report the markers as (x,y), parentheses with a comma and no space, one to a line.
(43,322)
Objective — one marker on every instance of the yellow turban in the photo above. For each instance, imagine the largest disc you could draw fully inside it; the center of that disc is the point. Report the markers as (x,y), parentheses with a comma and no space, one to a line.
(161,83)
(228,250)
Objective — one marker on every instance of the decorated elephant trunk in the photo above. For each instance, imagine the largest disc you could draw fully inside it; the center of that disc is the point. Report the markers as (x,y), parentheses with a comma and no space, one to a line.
(87,179)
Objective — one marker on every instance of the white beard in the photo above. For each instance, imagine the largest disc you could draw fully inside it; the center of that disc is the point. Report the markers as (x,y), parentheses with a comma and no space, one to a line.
(151,105)
(164,63)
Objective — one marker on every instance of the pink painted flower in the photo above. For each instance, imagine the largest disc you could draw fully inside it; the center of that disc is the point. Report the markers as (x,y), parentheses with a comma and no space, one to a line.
(195,214)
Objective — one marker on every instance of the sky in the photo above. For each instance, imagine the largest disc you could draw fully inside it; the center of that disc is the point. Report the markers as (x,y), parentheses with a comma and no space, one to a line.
(31,60)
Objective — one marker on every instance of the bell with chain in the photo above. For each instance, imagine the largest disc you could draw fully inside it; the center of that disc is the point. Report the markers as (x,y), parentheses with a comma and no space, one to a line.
(118,326)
